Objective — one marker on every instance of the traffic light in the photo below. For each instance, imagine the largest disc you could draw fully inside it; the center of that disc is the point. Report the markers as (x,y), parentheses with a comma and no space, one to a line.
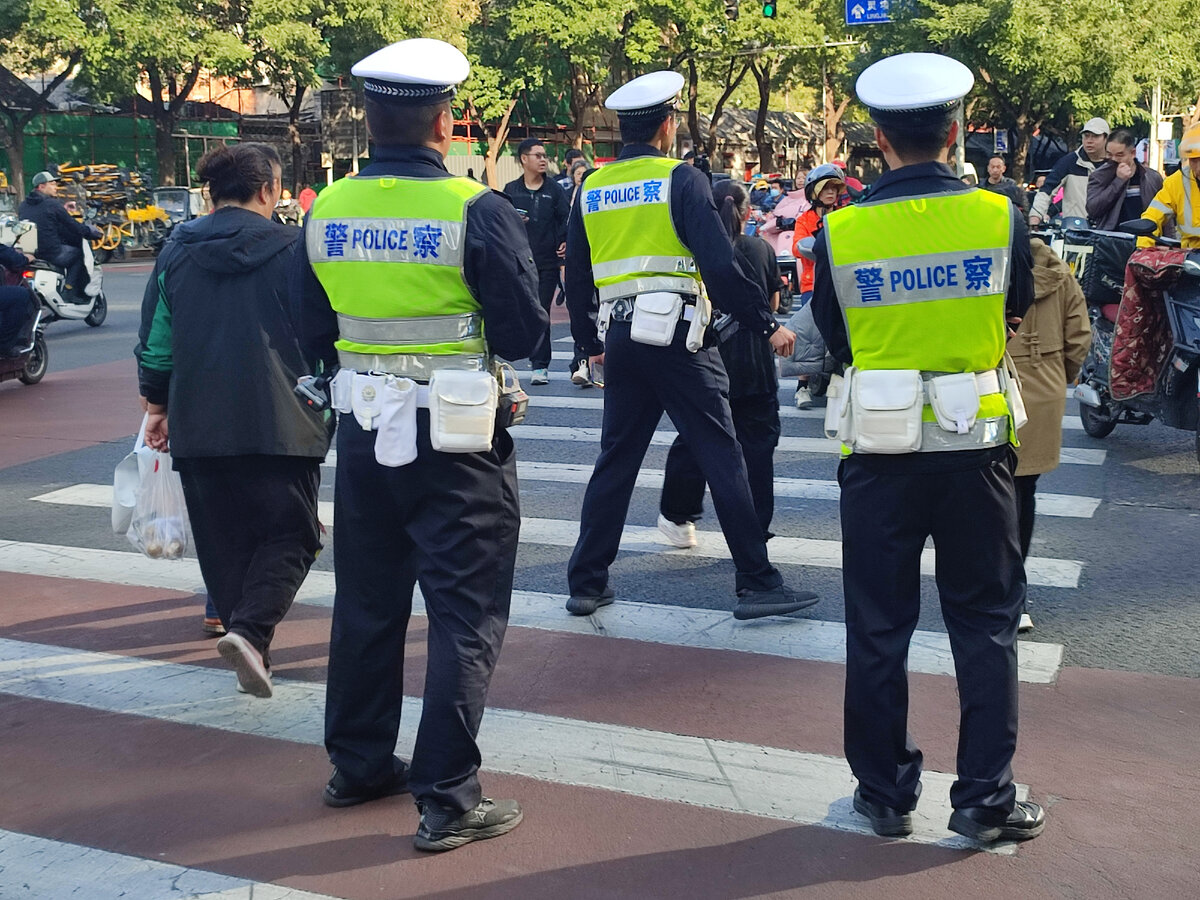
(769,9)
(731,10)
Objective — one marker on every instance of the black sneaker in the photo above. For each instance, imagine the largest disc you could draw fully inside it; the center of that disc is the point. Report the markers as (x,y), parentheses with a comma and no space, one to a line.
(1025,822)
(341,791)
(778,601)
(585,606)
(444,829)
(886,821)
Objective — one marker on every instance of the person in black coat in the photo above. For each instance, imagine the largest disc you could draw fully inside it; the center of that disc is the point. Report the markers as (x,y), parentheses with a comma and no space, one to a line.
(218,361)
(17,304)
(60,237)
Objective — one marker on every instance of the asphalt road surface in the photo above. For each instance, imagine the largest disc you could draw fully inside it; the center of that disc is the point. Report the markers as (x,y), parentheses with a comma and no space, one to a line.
(660,751)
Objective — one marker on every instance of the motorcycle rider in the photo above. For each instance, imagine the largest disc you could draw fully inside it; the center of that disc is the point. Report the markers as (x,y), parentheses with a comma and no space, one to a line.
(17,303)
(1072,172)
(59,236)
(1178,201)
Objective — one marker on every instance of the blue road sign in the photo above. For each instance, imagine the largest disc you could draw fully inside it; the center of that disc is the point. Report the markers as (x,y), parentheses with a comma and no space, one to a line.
(868,12)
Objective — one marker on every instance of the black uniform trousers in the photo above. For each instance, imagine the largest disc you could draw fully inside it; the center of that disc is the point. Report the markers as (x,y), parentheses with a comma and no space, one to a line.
(254,522)
(972,516)
(641,382)
(449,521)
(756,424)
(548,281)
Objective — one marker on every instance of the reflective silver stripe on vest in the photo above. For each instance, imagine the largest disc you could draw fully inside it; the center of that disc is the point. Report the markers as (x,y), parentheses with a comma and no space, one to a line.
(917,279)
(411,330)
(632,265)
(983,434)
(417,366)
(635,286)
(1185,224)
(349,239)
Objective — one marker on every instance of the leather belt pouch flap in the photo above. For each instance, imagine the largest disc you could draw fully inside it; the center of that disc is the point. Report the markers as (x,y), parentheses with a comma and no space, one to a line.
(462,410)
(654,318)
(396,440)
(839,422)
(955,401)
(887,406)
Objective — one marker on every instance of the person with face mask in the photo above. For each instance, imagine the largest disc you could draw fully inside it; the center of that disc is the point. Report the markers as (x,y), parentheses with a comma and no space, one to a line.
(774,194)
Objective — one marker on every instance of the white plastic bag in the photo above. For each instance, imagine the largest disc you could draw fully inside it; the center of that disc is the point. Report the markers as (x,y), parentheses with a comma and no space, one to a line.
(127,478)
(160,525)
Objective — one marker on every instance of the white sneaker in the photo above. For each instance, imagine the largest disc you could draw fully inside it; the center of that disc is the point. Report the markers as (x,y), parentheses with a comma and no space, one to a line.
(581,376)
(540,376)
(682,536)
(1026,623)
(253,677)
(803,397)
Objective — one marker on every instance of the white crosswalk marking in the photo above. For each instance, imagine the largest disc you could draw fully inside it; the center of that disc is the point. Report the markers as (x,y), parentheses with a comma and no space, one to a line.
(57,869)
(772,783)
(650,622)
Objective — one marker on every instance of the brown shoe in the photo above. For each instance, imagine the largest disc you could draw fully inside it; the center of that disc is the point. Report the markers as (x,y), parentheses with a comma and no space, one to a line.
(213,627)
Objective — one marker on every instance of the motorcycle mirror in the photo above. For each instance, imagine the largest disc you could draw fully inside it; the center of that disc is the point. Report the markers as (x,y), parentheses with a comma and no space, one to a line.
(1140,227)
(1191,267)
(805,248)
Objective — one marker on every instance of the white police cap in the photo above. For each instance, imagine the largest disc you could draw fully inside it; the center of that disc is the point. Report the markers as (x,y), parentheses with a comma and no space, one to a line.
(646,95)
(416,72)
(913,87)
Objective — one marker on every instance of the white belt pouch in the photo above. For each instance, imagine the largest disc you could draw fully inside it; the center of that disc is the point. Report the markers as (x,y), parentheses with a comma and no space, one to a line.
(655,316)
(955,401)
(396,439)
(1012,393)
(886,405)
(462,410)
(839,421)
(701,316)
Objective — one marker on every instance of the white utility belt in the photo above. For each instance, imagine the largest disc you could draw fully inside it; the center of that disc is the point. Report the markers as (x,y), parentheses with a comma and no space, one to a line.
(462,410)
(655,315)
(880,410)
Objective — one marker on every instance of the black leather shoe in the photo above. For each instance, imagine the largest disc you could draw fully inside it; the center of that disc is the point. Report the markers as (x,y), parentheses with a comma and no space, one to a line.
(341,791)
(778,601)
(585,606)
(886,821)
(445,829)
(1025,822)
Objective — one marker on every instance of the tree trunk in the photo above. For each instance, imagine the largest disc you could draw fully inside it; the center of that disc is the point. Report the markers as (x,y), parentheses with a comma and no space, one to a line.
(693,114)
(495,140)
(834,135)
(12,136)
(166,114)
(766,152)
(1020,153)
(299,170)
(731,85)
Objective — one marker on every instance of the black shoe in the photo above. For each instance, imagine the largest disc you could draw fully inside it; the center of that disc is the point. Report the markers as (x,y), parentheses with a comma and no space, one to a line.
(341,791)
(585,606)
(445,829)
(778,601)
(1025,822)
(886,821)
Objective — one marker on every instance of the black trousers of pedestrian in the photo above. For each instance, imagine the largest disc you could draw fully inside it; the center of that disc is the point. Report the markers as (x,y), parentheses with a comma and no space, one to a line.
(450,522)
(886,517)
(693,389)
(254,521)
(547,282)
(756,424)
(1026,486)
(70,259)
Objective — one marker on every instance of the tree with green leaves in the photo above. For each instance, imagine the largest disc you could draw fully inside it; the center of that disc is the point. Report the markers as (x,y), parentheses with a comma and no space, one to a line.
(36,36)
(168,43)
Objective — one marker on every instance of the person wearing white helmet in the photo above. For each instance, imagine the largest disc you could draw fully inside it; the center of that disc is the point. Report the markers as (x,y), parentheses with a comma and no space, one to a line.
(1178,202)
(410,279)
(642,234)
(912,290)
(1072,172)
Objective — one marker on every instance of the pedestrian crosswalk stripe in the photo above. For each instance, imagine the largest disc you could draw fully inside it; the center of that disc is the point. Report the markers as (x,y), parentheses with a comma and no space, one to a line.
(767,782)
(58,869)
(1041,571)
(650,622)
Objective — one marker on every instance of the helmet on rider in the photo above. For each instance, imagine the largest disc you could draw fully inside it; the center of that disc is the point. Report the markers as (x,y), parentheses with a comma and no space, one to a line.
(1189,145)
(820,178)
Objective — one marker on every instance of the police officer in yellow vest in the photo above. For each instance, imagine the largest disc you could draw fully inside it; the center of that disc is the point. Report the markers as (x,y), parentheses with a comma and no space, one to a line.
(409,279)
(912,290)
(643,232)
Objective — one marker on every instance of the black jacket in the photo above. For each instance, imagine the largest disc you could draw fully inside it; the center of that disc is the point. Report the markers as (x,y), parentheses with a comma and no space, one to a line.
(547,209)
(55,227)
(217,344)
(497,267)
(694,215)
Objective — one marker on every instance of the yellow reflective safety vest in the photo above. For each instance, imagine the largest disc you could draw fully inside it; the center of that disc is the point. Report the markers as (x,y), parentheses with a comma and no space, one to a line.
(1178,202)
(389,252)
(627,217)
(937,303)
